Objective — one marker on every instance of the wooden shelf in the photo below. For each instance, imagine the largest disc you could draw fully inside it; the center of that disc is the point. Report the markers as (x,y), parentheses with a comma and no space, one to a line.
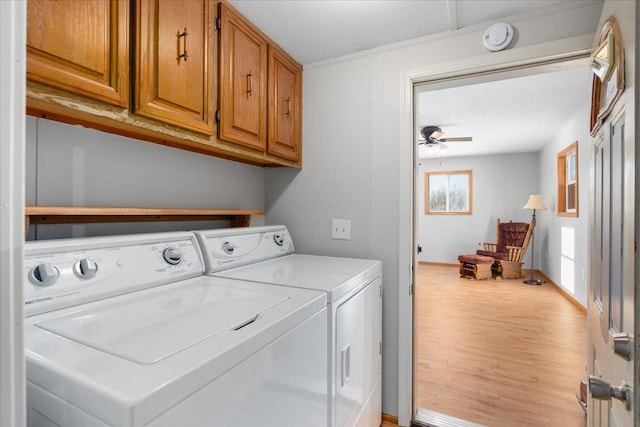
(86,215)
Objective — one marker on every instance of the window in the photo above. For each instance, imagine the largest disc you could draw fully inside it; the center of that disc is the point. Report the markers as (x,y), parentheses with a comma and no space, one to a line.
(447,193)
(568,181)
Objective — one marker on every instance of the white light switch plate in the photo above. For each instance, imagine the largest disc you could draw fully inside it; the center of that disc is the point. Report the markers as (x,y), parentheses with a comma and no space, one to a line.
(341,229)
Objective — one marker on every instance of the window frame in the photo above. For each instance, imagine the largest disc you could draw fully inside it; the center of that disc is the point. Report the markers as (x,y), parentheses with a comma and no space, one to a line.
(427,208)
(563,184)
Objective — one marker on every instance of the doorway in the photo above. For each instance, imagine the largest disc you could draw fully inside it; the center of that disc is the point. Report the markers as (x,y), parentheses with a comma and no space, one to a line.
(443,237)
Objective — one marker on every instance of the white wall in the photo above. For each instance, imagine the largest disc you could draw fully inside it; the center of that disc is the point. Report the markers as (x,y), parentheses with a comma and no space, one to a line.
(550,225)
(75,166)
(352,127)
(501,187)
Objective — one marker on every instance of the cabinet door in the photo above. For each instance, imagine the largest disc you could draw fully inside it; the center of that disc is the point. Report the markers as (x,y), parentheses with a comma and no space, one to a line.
(284,108)
(243,70)
(175,63)
(80,47)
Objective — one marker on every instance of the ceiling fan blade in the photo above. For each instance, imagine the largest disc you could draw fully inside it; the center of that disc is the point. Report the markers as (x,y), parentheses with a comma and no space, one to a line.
(457,139)
(428,143)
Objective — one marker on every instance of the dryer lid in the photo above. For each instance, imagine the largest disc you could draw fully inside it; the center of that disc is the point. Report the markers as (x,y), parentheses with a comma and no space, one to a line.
(333,275)
(149,328)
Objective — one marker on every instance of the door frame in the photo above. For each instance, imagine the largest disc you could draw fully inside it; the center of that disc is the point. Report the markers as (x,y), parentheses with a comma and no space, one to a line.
(556,51)
(12,185)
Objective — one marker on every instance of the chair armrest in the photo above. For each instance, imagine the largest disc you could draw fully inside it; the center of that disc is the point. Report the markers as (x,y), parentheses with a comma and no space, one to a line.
(490,247)
(515,253)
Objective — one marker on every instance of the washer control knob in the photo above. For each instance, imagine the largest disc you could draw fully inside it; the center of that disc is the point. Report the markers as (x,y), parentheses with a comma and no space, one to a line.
(86,268)
(278,238)
(172,255)
(228,247)
(45,274)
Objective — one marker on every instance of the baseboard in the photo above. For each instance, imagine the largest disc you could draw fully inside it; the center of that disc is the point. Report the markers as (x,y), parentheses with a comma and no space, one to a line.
(443,264)
(563,291)
(391,419)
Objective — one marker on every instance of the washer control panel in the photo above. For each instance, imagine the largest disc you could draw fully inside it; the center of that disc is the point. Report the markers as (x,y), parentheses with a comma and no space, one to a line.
(227,248)
(63,273)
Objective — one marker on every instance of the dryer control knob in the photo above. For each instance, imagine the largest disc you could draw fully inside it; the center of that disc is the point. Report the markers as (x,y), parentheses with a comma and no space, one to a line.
(86,268)
(228,247)
(45,274)
(278,238)
(172,255)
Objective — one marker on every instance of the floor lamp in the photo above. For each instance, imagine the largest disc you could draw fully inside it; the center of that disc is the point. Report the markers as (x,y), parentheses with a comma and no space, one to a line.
(534,203)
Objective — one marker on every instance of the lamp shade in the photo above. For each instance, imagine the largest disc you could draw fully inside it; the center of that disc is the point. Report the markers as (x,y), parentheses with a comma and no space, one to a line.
(535,202)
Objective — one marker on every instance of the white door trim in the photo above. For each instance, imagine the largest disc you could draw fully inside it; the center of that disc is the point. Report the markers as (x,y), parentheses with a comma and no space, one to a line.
(12,148)
(526,56)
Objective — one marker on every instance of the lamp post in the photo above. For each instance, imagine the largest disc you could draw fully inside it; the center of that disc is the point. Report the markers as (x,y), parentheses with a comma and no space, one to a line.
(534,203)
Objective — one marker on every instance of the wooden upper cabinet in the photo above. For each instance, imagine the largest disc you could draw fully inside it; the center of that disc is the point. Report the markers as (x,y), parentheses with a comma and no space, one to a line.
(243,81)
(284,108)
(175,63)
(80,47)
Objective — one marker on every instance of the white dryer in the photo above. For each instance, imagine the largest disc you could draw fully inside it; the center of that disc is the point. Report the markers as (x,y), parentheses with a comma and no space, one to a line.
(354,297)
(126,331)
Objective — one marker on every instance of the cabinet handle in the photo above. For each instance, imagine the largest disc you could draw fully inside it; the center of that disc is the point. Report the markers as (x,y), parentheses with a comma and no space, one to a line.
(288,101)
(184,54)
(250,83)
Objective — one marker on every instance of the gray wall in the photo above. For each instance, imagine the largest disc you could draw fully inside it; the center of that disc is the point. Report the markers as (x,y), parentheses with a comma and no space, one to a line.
(352,151)
(501,187)
(75,166)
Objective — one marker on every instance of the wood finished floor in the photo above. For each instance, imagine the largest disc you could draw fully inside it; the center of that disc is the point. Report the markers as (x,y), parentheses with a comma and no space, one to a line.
(497,352)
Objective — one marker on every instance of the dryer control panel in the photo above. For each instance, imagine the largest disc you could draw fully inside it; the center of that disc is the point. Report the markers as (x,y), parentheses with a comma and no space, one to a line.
(64,273)
(228,248)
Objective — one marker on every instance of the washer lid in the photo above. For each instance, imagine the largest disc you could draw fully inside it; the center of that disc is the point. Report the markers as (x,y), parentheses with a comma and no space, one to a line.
(334,275)
(153,327)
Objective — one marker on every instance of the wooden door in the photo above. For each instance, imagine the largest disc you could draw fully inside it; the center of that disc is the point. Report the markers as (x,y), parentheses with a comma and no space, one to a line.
(284,107)
(611,305)
(175,63)
(80,47)
(243,84)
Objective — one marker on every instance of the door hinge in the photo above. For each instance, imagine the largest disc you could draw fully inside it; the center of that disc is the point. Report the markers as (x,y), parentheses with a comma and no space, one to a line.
(410,289)
(419,249)
(380,347)
(218,116)
(380,290)
(217,24)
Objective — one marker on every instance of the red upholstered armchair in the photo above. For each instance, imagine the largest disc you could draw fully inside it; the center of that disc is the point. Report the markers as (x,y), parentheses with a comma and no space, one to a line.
(512,239)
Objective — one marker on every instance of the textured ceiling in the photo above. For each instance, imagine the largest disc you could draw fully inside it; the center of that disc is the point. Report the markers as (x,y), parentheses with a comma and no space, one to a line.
(316,30)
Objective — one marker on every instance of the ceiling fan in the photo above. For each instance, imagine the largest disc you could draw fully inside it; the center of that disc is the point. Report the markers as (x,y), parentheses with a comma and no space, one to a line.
(432,136)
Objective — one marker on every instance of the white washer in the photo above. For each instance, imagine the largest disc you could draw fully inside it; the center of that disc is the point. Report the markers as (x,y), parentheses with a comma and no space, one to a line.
(126,331)
(354,297)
